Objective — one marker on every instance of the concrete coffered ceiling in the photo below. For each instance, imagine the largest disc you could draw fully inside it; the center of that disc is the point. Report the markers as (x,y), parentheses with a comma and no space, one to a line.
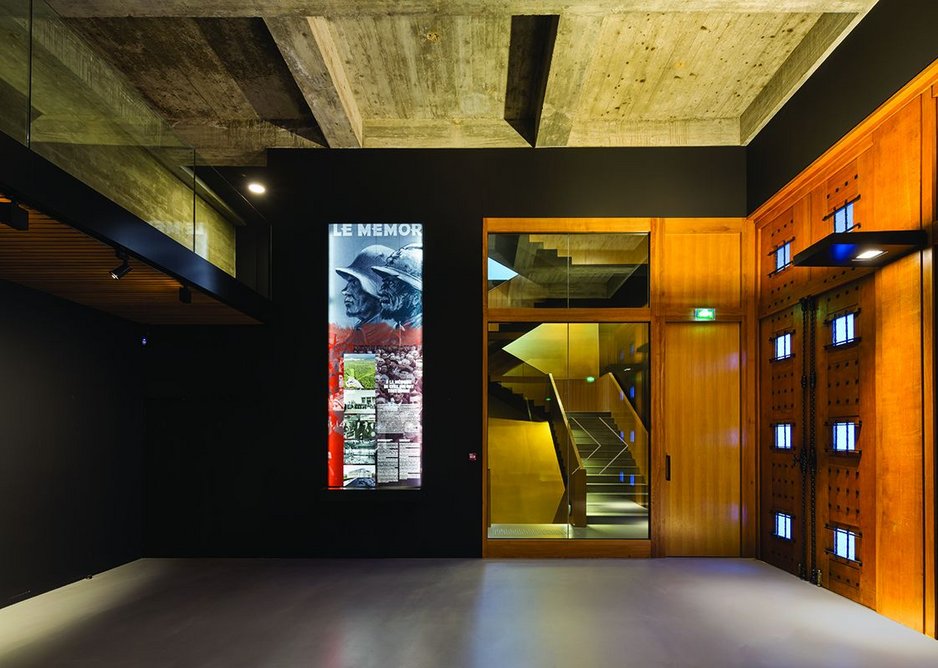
(235,77)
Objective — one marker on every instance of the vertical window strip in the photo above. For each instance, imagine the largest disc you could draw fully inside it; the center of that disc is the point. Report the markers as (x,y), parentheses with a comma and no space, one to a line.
(783,436)
(783,256)
(845,436)
(845,544)
(843,218)
(783,525)
(843,329)
(783,346)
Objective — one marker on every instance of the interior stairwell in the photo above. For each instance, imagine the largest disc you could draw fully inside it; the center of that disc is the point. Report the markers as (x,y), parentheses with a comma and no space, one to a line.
(616,490)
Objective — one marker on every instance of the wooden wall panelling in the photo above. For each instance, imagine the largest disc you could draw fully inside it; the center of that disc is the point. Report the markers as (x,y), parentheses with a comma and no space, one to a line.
(892,168)
(846,483)
(780,401)
(568,225)
(749,435)
(845,150)
(486,482)
(900,463)
(892,159)
(822,279)
(707,262)
(929,185)
(660,504)
(700,264)
(779,289)
(703,422)
(843,187)
(896,168)
(834,192)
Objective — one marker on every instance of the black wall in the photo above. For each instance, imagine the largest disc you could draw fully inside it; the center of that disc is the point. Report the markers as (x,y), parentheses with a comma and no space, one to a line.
(71,442)
(890,46)
(236,416)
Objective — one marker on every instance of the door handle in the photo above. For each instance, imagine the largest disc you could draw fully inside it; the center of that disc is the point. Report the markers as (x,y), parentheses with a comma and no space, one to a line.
(667,467)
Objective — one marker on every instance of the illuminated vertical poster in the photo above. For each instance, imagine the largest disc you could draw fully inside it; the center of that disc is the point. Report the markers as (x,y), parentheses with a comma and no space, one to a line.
(375,355)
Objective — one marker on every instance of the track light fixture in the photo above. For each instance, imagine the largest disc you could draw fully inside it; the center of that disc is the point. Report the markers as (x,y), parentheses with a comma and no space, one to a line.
(124,268)
(14,215)
(185,294)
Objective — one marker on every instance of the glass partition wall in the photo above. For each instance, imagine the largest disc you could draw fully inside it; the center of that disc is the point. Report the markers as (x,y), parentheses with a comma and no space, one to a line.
(568,386)
(64,101)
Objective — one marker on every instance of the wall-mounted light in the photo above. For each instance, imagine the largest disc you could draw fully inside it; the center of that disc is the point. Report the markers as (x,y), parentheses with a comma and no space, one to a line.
(861,249)
(123,269)
(257,188)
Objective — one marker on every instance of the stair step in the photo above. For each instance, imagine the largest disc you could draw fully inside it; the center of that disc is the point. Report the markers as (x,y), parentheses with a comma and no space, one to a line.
(615,487)
(614,519)
(596,469)
(596,465)
(586,441)
(613,476)
(609,450)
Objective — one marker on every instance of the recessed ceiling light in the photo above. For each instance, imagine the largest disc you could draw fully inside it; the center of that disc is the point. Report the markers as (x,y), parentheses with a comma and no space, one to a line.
(257,188)
(869,255)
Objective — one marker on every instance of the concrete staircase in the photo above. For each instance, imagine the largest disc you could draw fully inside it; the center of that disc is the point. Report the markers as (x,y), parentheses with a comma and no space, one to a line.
(615,487)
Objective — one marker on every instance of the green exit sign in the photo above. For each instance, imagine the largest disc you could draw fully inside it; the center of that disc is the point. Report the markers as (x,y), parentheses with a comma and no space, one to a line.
(705,314)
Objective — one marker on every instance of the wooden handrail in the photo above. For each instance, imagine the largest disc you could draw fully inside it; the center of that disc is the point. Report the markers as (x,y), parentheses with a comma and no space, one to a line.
(640,447)
(573,470)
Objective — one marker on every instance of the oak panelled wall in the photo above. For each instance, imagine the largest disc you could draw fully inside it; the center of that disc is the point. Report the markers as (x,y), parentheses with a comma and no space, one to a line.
(879,492)
(703,262)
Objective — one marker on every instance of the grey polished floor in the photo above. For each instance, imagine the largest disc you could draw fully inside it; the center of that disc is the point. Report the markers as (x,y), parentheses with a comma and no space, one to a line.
(451,613)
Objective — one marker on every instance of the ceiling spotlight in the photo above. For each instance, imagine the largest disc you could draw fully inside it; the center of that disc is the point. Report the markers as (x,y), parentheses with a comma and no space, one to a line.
(869,255)
(119,272)
(185,294)
(257,188)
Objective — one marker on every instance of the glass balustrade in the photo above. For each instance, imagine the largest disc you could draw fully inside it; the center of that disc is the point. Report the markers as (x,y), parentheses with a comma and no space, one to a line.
(66,102)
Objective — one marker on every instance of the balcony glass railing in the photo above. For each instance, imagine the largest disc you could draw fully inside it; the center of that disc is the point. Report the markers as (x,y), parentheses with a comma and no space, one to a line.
(64,101)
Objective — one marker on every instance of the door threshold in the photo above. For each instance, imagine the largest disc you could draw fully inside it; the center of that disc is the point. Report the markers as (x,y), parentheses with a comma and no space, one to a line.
(565,549)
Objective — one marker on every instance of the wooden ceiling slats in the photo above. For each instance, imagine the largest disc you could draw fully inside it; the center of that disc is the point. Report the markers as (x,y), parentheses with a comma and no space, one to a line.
(55,258)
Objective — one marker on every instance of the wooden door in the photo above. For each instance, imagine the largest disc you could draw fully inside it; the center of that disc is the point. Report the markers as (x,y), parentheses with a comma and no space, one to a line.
(702,439)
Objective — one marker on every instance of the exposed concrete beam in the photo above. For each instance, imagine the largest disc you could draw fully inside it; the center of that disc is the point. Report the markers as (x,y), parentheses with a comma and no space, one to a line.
(572,55)
(303,8)
(445,133)
(83,130)
(681,132)
(243,136)
(311,54)
(829,31)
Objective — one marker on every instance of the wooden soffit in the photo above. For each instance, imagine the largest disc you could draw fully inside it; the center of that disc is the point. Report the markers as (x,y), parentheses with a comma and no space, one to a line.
(58,259)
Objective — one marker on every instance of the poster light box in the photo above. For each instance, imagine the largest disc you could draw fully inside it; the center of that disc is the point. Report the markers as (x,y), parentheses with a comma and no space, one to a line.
(375,356)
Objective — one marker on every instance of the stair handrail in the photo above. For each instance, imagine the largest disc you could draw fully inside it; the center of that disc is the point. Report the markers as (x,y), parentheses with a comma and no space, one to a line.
(572,463)
(641,460)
